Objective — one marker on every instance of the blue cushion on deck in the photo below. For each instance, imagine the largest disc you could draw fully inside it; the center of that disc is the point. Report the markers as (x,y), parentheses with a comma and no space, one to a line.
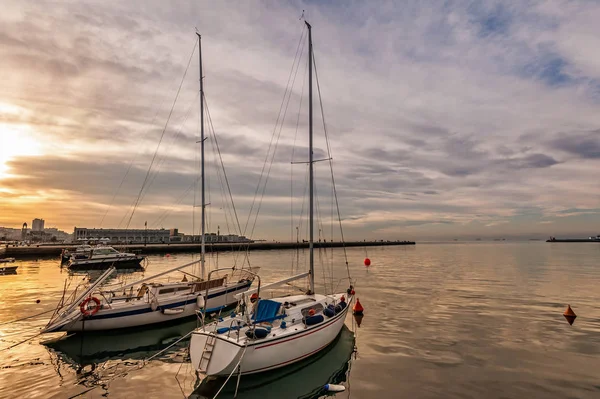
(312,320)
(266,311)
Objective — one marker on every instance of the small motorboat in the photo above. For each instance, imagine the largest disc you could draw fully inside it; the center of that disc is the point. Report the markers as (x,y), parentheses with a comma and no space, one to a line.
(80,252)
(7,260)
(103,257)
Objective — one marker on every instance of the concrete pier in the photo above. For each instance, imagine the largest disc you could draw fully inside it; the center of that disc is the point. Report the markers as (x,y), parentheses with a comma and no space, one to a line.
(33,251)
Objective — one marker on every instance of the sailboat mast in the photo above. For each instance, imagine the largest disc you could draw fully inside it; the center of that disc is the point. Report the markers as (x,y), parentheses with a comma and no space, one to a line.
(310,163)
(203,218)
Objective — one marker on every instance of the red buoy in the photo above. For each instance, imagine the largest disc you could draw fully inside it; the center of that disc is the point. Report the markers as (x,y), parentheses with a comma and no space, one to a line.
(570,315)
(167,255)
(367,262)
(357,309)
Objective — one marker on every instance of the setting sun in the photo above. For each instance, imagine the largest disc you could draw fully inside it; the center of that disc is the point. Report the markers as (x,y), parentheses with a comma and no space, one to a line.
(15,140)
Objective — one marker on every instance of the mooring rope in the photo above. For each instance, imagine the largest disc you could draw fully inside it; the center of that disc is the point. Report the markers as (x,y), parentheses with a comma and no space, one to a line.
(20,342)
(26,318)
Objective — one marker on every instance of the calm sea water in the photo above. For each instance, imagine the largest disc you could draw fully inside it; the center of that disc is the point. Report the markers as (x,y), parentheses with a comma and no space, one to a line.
(460,320)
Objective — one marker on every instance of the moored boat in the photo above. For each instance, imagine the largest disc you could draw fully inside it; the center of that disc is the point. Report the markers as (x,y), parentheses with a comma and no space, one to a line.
(272,333)
(103,257)
(145,303)
(148,301)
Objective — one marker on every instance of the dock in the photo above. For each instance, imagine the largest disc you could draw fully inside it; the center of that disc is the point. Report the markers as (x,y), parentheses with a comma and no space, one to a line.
(33,251)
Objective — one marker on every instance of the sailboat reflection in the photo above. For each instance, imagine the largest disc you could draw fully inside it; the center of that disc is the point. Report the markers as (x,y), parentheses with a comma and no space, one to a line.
(304,379)
(93,348)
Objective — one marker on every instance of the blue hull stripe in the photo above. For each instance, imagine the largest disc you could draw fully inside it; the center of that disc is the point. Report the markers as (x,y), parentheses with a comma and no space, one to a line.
(172,305)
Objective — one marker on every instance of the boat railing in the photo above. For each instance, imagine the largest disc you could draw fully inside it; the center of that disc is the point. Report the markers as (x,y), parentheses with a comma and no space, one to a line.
(222,269)
(240,324)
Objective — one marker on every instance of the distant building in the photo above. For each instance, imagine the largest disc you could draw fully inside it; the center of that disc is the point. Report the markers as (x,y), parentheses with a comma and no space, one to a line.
(215,238)
(54,234)
(116,236)
(37,225)
(9,234)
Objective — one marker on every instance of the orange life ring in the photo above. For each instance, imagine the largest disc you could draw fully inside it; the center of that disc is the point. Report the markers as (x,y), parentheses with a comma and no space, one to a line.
(89,312)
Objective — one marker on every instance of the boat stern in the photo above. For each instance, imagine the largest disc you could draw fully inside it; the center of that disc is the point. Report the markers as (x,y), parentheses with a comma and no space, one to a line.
(211,355)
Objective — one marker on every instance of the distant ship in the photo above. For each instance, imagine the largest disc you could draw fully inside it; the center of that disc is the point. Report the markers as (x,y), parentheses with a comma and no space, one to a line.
(589,239)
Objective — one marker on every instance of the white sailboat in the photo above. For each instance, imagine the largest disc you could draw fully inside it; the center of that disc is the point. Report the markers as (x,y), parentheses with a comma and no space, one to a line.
(279,331)
(147,301)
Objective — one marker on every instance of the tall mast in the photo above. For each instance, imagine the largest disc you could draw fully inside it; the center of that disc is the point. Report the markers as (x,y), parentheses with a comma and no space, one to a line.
(203,249)
(310,163)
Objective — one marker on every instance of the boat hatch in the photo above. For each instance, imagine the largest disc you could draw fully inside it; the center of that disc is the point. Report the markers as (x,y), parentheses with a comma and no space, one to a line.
(318,308)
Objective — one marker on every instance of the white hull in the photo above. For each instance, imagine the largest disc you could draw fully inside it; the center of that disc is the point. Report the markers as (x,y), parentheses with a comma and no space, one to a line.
(279,349)
(140,313)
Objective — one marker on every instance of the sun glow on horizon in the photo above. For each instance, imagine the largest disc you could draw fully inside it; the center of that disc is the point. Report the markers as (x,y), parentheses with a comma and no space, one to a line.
(16,139)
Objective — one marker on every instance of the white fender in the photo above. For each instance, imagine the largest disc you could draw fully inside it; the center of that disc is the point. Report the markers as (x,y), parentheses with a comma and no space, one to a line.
(200,301)
(334,388)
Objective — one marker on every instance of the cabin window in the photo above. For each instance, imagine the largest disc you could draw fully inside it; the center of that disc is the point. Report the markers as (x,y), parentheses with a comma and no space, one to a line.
(173,289)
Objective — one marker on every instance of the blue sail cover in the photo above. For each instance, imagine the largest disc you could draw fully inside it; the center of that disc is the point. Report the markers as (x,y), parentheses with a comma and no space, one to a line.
(266,311)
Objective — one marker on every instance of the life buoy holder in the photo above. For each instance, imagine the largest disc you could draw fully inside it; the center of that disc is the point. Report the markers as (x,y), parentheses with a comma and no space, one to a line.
(83,306)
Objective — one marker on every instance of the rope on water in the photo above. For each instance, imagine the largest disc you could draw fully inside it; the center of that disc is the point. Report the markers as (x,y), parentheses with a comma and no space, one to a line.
(20,342)
(26,318)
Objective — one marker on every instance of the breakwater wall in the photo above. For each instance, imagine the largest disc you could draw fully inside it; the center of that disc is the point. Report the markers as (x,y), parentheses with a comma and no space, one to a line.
(55,250)
(573,240)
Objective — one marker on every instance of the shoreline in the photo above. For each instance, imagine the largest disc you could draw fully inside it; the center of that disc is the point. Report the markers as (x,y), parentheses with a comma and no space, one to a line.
(55,250)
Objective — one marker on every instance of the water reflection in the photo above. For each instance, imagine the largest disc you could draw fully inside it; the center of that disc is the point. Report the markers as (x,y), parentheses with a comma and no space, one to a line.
(461,320)
(96,347)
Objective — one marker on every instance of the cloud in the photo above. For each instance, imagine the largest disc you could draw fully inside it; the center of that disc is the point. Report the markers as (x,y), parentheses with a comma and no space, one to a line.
(583,144)
(442,120)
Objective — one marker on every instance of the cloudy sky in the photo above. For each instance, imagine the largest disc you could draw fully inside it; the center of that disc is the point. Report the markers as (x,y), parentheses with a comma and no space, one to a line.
(446,119)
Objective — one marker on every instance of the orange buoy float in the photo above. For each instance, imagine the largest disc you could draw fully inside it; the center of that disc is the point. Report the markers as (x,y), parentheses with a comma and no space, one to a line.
(367,262)
(358,309)
(254,297)
(570,315)
(311,312)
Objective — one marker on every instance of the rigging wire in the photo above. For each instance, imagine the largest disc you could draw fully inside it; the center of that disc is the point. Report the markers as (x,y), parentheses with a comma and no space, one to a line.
(287,88)
(162,160)
(131,164)
(292,168)
(337,205)
(225,178)
(162,134)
